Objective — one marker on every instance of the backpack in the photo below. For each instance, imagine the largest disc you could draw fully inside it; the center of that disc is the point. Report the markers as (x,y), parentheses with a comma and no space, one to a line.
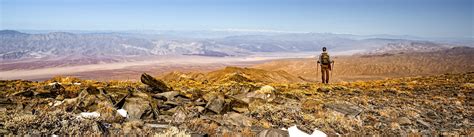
(325,59)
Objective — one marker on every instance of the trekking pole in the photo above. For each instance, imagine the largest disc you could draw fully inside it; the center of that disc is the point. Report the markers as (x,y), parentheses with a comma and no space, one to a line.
(317,68)
(332,68)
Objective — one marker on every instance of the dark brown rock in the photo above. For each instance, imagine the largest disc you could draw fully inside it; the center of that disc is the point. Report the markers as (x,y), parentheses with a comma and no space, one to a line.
(70,94)
(89,98)
(157,86)
(139,105)
(27,93)
(121,102)
(56,89)
(92,90)
(51,91)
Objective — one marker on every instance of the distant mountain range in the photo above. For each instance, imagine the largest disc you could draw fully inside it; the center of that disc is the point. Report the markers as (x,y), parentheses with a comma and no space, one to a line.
(15,45)
(404,46)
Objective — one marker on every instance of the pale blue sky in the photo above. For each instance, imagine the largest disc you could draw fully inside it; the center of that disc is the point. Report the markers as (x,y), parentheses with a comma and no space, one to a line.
(429,18)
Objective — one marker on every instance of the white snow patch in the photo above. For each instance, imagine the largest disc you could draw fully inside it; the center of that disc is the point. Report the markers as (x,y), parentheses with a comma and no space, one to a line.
(123,113)
(295,132)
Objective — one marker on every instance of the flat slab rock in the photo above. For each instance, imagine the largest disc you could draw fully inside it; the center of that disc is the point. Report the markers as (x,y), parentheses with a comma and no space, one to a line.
(345,108)
(5,102)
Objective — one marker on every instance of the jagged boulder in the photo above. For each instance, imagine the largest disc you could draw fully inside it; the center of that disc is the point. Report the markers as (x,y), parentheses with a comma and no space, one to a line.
(88,100)
(140,106)
(215,102)
(155,85)
(136,107)
(56,89)
(50,91)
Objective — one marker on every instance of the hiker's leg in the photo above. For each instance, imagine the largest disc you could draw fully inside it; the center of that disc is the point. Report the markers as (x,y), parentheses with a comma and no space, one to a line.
(327,75)
(322,74)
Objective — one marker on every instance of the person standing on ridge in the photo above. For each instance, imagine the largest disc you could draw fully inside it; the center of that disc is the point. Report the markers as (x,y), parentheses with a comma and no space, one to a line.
(325,62)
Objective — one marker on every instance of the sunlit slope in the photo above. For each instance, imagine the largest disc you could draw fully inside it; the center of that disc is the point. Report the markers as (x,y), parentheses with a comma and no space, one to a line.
(360,67)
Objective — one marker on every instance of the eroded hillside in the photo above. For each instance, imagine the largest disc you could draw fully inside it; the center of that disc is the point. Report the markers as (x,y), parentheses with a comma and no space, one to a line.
(370,67)
(236,74)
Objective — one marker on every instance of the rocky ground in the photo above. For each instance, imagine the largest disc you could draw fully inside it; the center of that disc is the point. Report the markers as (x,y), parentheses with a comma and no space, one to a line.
(239,106)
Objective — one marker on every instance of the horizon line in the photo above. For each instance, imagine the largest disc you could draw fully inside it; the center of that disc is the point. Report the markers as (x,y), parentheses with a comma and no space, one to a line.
(229,30)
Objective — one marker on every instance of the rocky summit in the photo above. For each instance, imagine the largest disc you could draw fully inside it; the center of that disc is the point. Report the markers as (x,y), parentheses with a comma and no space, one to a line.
(239,104)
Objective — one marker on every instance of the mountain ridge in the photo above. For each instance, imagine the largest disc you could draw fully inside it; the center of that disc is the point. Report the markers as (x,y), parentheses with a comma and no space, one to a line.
(55,44)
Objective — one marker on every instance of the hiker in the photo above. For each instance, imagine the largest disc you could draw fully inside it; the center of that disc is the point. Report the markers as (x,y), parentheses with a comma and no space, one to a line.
(325,62)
